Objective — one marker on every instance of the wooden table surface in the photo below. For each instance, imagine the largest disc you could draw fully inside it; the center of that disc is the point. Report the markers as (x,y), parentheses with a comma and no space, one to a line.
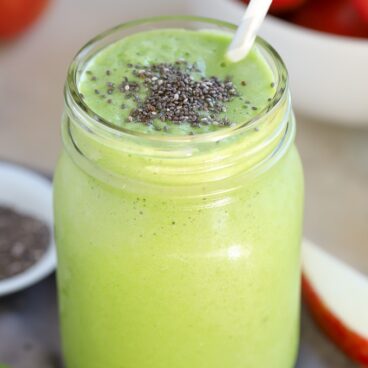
(32,73)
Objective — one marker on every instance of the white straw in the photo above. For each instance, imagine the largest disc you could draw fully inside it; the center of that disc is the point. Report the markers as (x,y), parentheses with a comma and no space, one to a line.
(247,31)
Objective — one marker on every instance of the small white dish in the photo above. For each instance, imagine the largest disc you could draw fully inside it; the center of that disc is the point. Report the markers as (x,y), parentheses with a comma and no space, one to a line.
(30,193)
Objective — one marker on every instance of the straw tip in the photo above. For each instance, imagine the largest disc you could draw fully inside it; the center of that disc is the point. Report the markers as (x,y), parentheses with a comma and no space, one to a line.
(237,54)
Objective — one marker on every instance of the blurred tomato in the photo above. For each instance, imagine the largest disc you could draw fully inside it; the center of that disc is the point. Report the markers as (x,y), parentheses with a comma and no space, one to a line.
(332,16)
(280,6)
(362,7)
(17,15)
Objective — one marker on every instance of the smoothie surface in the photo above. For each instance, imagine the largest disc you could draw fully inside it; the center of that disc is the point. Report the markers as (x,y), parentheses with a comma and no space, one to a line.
(113,88)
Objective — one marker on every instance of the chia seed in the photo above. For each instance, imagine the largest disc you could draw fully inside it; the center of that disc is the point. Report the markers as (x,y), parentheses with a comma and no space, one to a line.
(23,241)
(174,95)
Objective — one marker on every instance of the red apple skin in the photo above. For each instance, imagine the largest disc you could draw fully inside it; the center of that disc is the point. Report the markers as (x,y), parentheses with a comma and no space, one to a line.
(17,15)
(332,16)
(362,7)
(282,6)
(347,340)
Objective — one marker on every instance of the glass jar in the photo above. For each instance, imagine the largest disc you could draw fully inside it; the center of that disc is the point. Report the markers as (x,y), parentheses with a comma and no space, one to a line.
(178,251)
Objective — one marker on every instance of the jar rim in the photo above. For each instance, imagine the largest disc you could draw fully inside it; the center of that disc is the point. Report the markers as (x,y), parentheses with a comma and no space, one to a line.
(92,121)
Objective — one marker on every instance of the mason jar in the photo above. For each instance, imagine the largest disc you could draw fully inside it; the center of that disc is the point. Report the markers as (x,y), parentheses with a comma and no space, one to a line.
(178,251)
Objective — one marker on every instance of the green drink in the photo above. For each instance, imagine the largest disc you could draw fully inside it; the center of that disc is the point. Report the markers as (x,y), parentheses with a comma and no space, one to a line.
(178,239)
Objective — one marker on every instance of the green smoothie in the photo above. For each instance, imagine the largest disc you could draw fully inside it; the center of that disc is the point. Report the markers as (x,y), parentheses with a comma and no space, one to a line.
(178,260)
(103,77)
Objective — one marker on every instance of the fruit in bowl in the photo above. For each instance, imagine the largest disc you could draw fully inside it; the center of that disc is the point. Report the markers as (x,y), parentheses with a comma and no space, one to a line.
(280,6)
(341,17)
(362,7)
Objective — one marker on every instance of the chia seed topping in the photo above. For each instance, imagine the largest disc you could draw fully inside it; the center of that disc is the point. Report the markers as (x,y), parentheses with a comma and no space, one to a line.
(172,94)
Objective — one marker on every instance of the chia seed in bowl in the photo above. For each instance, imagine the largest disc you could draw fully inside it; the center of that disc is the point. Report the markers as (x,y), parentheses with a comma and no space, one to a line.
(23,241)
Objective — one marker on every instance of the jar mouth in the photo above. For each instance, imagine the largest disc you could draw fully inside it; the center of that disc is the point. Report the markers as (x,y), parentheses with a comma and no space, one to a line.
(93,121)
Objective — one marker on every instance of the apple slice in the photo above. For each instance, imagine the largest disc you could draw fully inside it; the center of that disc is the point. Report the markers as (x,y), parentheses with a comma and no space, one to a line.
(337,297)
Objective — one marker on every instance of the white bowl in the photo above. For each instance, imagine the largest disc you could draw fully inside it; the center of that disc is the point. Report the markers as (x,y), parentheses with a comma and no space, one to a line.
(30,193)
(328,73)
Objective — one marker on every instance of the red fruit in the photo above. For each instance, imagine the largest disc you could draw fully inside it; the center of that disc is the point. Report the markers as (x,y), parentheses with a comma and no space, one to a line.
(17,15)
(362,7)
(348,341)
(337,297)
(282,6)
(279,6)
(332,16)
